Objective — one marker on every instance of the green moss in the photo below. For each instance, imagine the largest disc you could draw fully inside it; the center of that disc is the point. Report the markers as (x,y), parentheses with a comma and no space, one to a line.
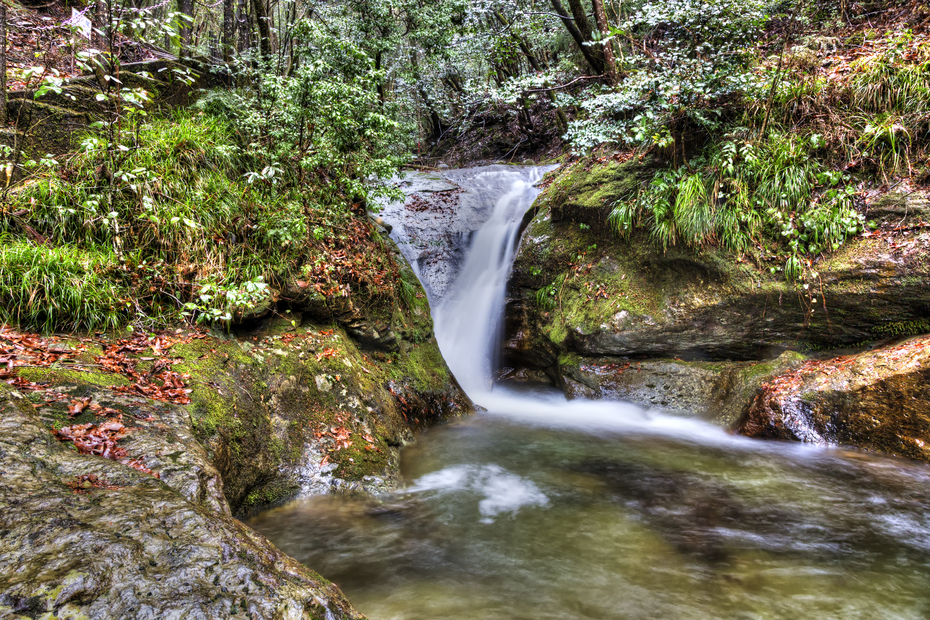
(58,376)
(424,363)
(772,367)
(591,185)
(904,328)
(269,495)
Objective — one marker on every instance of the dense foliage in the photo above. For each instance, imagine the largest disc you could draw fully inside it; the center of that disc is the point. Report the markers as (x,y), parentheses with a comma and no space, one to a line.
(759,124)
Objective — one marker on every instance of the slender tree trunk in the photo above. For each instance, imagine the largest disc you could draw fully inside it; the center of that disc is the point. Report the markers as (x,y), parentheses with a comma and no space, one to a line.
(381,96)
(600,18)
(186,7)
(594,61)
(264,28)
(2,64)
(520,41)
(229,29)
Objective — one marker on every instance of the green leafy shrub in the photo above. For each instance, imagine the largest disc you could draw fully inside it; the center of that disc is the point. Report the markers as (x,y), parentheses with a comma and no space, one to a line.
(699,62)
(739,192)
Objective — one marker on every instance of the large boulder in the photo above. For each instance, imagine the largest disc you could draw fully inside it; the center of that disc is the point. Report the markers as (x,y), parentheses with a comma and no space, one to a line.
(123,461)
(700,332)
(878,401)
(84,536)
(577,288)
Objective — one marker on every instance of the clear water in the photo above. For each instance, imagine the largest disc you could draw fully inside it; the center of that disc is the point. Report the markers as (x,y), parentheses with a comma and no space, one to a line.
(541,508)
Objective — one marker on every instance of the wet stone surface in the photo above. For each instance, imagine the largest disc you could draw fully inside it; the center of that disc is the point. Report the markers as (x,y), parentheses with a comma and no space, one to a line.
(129,545)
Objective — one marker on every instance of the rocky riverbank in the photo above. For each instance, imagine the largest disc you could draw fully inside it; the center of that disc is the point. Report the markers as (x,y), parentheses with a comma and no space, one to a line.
(700,331)
(124,459)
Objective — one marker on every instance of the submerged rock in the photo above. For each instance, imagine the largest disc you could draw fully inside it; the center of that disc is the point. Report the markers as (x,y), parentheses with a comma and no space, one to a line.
(715,391)
(878,401)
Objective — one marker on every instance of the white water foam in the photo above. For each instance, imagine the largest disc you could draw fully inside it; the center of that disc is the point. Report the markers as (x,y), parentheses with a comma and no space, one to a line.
(501,491)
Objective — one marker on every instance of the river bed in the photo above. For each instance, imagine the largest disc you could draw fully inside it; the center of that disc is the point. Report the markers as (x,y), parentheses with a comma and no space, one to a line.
(504,518)
(542,508)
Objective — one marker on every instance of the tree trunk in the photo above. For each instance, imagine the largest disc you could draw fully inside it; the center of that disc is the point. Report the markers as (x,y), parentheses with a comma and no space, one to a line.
(264,28)
(600,18)
(594,61)
(2,64)
(520,41)
(381,96)
(186,7)
(229,30)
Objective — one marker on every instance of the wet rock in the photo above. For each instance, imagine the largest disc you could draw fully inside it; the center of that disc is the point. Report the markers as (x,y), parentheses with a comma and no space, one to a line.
(878,401)
(716,391)
(134,548)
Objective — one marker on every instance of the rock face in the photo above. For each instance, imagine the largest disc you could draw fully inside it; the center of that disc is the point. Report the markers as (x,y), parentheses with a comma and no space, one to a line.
(628,298)
(716,391)
(288,406)
(129,545)
(878,401)
(697,332)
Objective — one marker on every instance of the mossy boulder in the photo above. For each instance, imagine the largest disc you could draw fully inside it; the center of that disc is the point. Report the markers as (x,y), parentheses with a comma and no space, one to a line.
(585,191)
(577,289)
(701,331)
(288,408)
(877,401)
(130,545)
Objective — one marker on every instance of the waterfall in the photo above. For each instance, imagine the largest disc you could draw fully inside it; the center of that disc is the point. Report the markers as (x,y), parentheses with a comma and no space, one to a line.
(481,230)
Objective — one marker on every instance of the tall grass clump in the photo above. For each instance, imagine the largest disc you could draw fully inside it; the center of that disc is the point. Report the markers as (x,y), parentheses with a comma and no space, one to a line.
(54,288)
(741,192)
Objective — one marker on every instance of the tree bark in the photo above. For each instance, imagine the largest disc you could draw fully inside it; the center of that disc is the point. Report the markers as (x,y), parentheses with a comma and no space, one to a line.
(229,29)
(600,18)
(264,28)
(594,61)
(2,64)
(186,7)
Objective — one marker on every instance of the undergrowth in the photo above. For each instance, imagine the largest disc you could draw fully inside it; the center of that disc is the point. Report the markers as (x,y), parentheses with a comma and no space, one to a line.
(59,287)
(741,193)
(784,177)
(182,226)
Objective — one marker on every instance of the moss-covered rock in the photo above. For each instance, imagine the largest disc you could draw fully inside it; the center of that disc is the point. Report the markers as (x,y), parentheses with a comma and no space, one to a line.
(289,407)
(697,331)
(575,288)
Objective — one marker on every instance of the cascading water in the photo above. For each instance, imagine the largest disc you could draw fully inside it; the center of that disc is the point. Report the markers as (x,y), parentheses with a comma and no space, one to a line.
(468,319)
(544,508)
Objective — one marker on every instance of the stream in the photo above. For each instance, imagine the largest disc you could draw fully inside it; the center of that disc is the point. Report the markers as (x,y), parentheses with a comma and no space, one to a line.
(543,508)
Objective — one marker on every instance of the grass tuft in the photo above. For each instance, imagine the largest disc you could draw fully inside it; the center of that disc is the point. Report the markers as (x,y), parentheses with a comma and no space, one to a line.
(61,287)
